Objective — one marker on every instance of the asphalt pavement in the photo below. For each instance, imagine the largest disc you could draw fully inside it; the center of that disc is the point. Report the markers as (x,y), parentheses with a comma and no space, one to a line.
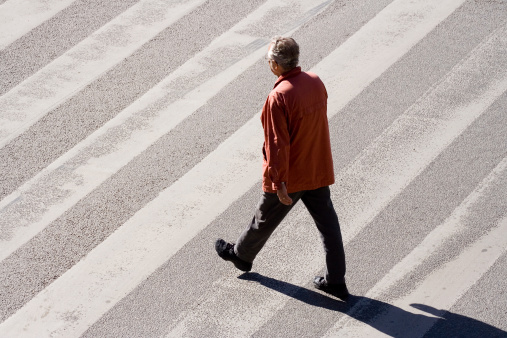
(130,140)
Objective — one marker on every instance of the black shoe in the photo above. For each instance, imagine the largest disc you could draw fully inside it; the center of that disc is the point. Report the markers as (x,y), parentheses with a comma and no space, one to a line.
(337,290)
(226,252)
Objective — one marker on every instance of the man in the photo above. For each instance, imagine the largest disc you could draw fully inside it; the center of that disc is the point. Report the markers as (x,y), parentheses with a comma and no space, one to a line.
(297,165)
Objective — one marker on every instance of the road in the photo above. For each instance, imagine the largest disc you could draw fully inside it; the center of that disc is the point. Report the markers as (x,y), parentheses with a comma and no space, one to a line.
(130,141)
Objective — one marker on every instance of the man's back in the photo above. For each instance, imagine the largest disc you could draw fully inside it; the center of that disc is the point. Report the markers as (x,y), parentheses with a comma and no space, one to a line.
(298,106)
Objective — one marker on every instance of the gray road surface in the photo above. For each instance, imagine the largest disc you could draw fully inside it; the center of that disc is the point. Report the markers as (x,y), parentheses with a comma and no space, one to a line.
(130,141)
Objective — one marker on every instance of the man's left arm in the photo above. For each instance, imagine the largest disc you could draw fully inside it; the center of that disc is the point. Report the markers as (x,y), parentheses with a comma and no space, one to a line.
(278,147)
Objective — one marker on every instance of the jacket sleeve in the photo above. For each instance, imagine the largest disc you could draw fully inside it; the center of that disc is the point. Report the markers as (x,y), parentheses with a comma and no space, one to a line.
(277,140)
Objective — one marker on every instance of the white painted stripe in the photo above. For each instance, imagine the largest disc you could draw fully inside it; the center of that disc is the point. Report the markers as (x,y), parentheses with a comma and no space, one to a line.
(75,174)
(423,132)
(388,165)
(180,212)
(25,104)
(18,17)
(454,224)
(440,290)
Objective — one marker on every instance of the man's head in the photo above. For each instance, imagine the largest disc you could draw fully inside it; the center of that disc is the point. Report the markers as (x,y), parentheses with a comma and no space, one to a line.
(283,55)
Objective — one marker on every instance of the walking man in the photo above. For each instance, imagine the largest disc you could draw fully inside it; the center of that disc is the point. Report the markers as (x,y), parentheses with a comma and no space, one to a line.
(297,165)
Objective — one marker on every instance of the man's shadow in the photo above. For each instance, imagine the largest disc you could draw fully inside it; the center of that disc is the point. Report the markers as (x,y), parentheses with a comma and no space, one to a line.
(398,323)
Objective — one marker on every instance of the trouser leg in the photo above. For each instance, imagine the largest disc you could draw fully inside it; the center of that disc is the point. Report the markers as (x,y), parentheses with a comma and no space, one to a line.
(318,202)
(268,215)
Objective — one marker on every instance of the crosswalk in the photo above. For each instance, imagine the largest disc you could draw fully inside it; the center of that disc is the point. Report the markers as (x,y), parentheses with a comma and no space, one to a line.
(20,17)
(126,156)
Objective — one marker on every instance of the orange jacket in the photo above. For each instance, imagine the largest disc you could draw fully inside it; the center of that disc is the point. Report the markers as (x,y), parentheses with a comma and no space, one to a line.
(297,149)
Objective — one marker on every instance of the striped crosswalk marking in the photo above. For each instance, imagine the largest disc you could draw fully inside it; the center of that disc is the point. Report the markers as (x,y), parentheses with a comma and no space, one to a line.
(90,170)
(84,294)
(419,135)
(23,105)
(184,209)
(404,318)
(396,158)
(458,276)
(18,17)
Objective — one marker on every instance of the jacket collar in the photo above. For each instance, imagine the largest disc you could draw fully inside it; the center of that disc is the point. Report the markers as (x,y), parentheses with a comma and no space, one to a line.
(294,71)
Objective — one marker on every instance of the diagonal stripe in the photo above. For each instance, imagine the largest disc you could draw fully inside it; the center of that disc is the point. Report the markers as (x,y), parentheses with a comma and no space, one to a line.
(159,230)
(25,104)
(433,122)
(18,17)
(453,225)
(458,277)
(75,174)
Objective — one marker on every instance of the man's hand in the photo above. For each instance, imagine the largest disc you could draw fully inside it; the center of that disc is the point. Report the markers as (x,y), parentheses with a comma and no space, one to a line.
(283,196)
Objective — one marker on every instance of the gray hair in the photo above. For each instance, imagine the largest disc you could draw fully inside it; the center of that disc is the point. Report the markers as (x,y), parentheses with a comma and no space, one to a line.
(285,51)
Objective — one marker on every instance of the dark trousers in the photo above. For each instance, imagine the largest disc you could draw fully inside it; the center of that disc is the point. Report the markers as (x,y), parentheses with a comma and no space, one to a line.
(270,212)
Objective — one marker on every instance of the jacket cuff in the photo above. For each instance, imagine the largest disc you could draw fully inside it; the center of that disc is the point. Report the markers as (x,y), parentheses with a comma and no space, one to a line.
(276,186)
